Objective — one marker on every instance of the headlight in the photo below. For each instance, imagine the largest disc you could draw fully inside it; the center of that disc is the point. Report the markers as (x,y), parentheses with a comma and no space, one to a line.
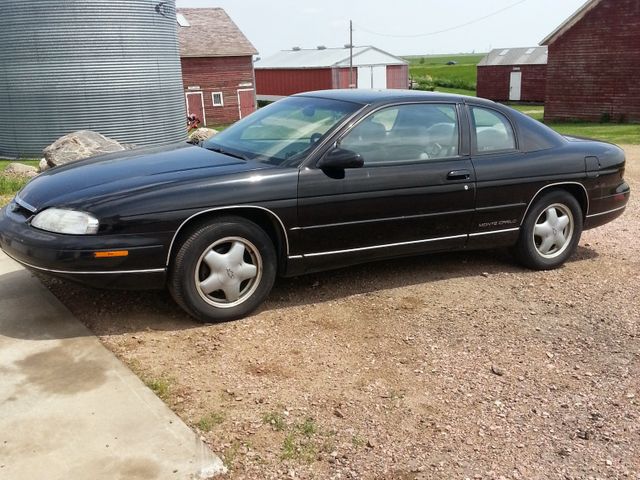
(66,221)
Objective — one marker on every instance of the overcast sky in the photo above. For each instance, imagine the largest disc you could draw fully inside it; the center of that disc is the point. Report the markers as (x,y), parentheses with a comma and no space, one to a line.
(281,24)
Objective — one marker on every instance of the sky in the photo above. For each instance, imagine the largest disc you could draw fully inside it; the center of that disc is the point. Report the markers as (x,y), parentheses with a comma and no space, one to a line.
(282,24)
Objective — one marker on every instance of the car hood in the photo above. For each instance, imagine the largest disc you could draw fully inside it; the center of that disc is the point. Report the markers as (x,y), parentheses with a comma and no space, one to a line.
(125,173)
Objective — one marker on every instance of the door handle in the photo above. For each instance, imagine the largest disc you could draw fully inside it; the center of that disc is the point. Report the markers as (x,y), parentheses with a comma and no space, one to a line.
(459,175)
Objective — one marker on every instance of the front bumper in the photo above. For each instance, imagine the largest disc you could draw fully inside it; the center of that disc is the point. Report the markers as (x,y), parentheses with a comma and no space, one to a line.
(73,256)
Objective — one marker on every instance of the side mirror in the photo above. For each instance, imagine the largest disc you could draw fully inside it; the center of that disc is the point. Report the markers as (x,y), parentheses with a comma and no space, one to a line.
(340,158)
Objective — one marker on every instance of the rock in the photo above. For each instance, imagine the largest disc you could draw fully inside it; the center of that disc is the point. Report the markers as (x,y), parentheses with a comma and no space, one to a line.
(338,413)
(43,165)
(371,443)
(20,170)
(201,134)
(78,145)
(496,370)
(485,274)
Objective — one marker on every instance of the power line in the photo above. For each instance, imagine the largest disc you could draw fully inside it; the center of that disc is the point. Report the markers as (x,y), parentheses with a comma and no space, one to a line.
(446,29)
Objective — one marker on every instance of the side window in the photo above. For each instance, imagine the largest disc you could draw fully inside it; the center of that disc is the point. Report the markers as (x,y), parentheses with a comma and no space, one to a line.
(406,133)
(493,131)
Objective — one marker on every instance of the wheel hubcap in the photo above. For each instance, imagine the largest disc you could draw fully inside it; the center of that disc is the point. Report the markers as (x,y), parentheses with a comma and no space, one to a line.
(228,272)
(553,230)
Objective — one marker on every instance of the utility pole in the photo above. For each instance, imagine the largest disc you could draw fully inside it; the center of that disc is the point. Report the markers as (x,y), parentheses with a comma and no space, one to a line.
(351,54)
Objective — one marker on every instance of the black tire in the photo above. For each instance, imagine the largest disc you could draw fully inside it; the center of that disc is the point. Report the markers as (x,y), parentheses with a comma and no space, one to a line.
(530,249)
(218,239)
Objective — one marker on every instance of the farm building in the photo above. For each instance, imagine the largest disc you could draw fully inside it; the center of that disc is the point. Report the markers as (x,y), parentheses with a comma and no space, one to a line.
(112,67)
(515,74)
(594,64)
(300,70)
(217,66)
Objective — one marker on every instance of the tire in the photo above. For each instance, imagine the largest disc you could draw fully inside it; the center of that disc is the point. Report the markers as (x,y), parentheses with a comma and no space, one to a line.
(223,270)
(554,217)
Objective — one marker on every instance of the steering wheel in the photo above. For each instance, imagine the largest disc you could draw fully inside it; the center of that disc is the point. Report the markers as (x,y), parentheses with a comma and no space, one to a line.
(314,138)
(434,150)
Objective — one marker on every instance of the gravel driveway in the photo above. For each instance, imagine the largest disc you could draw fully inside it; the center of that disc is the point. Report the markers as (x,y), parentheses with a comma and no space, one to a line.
(445,366)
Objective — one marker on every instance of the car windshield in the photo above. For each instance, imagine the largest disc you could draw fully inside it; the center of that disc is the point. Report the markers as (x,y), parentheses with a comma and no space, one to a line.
(284,132)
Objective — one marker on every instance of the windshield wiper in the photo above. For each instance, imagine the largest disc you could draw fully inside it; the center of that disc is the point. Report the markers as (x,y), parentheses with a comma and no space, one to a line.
(227,153)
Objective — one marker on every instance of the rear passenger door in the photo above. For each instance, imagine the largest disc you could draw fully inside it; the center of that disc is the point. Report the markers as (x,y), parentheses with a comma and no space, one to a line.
(501,179)
(415,192)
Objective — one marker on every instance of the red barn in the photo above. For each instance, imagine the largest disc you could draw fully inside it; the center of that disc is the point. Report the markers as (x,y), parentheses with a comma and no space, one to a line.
(594,64)
(217,66)
(515,74)
(301,70)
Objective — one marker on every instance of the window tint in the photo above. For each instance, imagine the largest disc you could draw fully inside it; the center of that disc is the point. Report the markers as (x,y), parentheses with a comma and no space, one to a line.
(493,131)
(405,133)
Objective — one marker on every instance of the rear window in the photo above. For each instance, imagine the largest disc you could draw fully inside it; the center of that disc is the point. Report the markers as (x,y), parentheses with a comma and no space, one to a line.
(493,132)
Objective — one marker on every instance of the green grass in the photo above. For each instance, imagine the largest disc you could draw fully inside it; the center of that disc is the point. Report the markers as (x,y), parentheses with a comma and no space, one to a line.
(11,185)
(160,386)
(609,132)
(456,91)
(275,419)
(209,421)
(432,70)
(32,163)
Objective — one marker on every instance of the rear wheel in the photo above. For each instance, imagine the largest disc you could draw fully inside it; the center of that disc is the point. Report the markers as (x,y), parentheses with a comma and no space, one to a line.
(550,232)
(223,270)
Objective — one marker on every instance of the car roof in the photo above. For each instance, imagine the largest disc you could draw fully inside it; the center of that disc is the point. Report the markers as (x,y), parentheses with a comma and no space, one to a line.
(372,96)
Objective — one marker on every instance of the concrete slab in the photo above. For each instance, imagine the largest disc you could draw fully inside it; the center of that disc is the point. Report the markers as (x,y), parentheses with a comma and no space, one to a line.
(69,409)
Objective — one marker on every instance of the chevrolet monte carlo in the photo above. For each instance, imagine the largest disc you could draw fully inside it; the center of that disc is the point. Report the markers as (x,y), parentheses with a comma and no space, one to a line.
(312,182)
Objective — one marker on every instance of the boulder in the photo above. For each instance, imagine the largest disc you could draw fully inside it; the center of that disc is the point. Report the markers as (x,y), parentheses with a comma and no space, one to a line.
(20,170)
(43,165)
(201,134)
(79,145)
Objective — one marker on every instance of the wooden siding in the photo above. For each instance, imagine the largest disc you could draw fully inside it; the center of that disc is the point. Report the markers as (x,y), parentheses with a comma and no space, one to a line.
(594,68)
(397,76)
(341,77)
(218,74)
(494,80)
(289,81)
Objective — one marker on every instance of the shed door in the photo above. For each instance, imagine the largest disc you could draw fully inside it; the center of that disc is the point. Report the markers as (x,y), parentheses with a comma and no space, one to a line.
(364,77)
(379,76)
(515,86)
(372,77)
(246,102)
(195,106)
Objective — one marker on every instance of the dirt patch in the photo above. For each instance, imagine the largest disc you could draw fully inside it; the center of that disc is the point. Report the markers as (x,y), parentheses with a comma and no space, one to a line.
(443,366)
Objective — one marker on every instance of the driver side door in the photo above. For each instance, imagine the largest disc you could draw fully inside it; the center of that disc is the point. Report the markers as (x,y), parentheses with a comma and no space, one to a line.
(415,192)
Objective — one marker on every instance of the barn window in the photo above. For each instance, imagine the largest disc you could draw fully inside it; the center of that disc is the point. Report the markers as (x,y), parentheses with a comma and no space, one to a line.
(217,99)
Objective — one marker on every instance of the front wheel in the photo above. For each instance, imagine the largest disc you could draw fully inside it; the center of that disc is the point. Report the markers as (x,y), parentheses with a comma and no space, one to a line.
(223,270)
(550,232)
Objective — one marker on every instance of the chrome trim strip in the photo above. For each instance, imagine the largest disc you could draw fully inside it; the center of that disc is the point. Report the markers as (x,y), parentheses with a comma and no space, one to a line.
(555,185)
(385,219)
(494,232)
(295,257)
(229,207)
(73,272)
(24,204)
(373,247)
(608,211)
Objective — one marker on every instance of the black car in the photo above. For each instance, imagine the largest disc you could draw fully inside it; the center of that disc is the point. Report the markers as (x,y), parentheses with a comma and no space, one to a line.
(313,182)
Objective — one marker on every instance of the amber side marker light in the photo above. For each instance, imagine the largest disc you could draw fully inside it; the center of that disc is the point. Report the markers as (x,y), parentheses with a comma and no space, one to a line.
(111,254)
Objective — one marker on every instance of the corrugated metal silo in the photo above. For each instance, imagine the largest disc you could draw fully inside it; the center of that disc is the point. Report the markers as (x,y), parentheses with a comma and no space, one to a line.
(112,66)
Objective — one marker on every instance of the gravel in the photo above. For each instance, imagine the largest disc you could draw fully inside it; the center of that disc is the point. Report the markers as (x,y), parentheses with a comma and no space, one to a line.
(459,365)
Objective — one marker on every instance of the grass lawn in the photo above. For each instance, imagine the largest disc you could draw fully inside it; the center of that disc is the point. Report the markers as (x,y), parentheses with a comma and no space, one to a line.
(457,91)
(434,69)
(9,186)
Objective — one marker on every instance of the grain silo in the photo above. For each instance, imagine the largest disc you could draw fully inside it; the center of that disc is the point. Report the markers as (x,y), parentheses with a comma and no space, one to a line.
(111,66)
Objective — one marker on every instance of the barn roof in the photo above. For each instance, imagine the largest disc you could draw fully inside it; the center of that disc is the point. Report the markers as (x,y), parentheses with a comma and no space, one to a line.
(322,57)
(515,56)
(570,22)
(209,32)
